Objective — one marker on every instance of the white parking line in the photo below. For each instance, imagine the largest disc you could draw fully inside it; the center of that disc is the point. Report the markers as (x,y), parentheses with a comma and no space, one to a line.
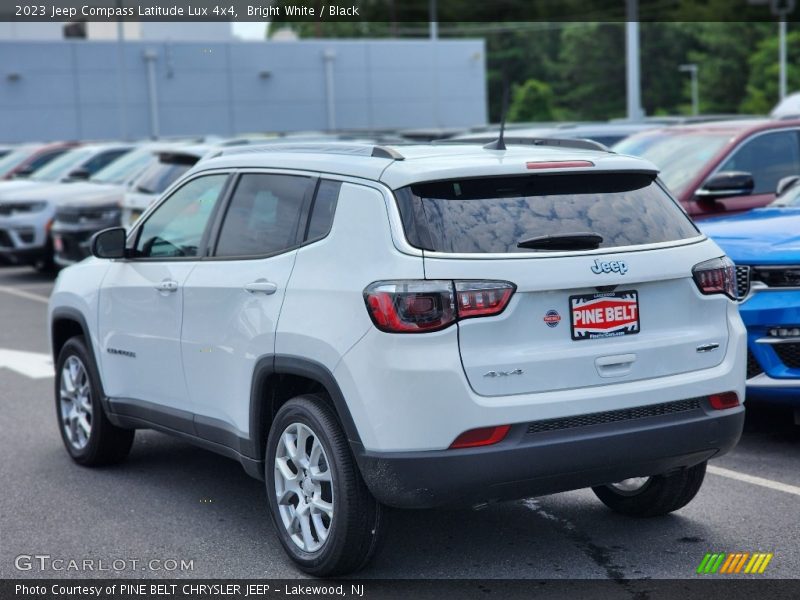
(23,294)
(36,365)
(767,483)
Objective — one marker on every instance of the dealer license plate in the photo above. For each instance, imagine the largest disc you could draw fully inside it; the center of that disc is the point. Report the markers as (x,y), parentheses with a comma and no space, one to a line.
(609,314)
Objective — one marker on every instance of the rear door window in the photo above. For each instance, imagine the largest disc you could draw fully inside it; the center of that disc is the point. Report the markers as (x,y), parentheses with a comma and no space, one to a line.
(492,215)
(263,216)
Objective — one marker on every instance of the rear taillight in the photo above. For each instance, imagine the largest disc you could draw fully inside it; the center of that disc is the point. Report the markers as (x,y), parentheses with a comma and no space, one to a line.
(716,276)
(724,400)
(482,298)
(418,306)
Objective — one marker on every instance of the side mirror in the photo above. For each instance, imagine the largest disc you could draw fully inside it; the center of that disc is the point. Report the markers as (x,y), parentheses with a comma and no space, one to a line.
(109,243)
(79,174)
(785,183)
(726,184)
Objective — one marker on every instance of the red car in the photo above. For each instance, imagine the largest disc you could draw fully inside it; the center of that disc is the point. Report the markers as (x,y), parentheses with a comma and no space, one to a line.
(25,159)
(722,167)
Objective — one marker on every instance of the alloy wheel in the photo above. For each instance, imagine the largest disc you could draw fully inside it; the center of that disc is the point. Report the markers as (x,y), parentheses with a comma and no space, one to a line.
(304,487)
(75,399)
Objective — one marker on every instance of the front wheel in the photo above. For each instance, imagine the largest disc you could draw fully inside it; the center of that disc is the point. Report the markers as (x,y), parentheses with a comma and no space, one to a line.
(653,496)
(326,519)
(89,437)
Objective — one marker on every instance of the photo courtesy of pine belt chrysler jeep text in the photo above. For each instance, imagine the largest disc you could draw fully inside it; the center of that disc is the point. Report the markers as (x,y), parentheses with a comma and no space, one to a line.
(409,326)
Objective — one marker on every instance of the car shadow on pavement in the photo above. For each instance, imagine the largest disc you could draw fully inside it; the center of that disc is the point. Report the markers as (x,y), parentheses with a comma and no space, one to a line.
(16,275)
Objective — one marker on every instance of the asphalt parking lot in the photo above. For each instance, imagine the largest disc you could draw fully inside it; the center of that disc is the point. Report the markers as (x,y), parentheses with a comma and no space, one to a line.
(173,501)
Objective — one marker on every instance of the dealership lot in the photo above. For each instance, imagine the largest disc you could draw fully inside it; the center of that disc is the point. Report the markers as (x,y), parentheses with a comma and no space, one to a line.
(173,502)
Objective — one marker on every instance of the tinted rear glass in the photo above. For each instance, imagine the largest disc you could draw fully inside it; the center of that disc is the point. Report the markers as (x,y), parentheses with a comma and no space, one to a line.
(492,215)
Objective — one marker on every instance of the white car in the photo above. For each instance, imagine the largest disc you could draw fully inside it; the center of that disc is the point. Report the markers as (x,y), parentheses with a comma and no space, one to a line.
(28,206)
(411,326)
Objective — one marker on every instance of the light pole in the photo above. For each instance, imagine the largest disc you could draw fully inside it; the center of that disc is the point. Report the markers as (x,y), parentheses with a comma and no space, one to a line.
(781,9)
(692,70)
(634,89)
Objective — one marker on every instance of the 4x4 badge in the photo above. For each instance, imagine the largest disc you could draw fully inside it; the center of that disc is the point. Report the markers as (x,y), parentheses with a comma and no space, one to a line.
(609,266)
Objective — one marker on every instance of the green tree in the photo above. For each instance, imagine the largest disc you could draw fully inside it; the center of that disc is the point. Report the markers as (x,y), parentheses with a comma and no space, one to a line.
(723,56)
(592,71)
(664,47)
(762,84)
(532,101)
(516,56)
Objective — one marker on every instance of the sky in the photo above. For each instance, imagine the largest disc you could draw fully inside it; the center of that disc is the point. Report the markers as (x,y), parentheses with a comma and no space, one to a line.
(249,31)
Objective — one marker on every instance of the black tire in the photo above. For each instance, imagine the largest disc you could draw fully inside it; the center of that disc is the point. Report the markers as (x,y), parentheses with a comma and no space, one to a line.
(47,264)
(356,527)
(662,494)
(106,444)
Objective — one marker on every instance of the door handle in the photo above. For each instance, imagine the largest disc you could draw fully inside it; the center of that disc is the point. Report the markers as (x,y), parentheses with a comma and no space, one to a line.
(614,366)
(261,286)
(168,285)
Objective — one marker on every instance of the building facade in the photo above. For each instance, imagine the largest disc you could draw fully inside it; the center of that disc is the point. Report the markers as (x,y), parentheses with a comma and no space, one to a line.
(84,89)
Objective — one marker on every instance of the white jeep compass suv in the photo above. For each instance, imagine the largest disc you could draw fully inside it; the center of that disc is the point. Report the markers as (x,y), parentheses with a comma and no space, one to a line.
(410,326)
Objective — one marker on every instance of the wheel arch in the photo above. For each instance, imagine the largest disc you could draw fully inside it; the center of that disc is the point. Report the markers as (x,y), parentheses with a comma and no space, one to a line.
(277,379)
(66,323)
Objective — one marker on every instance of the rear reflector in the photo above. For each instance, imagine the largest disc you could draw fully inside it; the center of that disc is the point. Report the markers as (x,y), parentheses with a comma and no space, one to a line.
(483,436)
(560,164)
(724,400)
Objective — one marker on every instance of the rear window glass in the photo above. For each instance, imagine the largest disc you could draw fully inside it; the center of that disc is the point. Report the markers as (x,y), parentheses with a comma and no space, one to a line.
(492,215)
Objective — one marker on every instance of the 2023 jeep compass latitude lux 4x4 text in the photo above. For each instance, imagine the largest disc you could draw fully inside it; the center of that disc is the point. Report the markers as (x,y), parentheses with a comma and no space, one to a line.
(414,326)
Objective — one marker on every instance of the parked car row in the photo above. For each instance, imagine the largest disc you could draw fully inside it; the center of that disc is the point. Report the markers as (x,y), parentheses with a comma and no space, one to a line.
(726,173)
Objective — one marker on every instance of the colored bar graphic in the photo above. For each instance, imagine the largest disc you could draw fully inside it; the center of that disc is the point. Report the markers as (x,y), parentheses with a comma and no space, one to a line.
(717,563)
(740,564)
(704,563)
(764,564)
(727,564)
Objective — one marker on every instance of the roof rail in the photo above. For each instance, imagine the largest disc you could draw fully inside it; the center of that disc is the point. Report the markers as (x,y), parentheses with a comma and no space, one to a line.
(353,149)
(576,143)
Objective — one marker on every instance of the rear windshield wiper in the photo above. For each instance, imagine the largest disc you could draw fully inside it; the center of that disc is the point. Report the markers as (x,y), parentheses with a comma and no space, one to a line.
(563,241)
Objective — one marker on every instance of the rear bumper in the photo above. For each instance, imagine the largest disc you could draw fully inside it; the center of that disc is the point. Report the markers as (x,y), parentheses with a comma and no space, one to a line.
(528,464)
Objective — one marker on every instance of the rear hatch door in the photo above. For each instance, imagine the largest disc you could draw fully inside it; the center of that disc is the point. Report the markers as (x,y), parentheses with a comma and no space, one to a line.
(626,310)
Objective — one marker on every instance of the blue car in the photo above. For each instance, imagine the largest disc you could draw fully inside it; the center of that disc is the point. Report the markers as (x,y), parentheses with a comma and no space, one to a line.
(765,245)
